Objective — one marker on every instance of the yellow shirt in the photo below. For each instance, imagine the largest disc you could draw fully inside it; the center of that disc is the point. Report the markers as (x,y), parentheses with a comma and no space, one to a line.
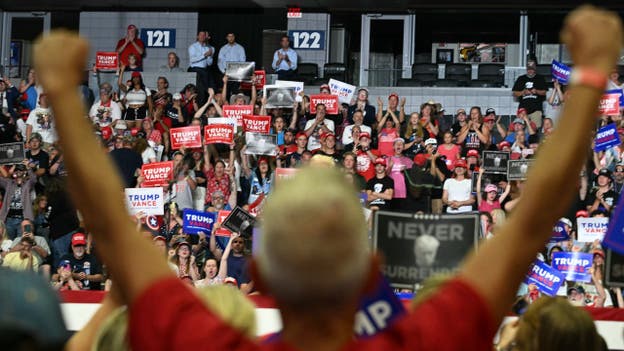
(14,261)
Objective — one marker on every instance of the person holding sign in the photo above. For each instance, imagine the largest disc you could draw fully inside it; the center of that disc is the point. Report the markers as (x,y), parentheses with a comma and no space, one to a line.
(317,286)
(218,176)
(212,276)
(490,202)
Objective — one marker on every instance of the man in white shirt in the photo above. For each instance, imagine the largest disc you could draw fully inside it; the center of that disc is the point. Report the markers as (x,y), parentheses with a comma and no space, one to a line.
(285,60)
(457,191)
(358,120)
(317,126)
(105,112)
(201,57)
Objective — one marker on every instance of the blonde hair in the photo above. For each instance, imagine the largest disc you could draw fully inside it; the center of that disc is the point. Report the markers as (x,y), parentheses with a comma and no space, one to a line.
(498,218)
(227,302)
(314,246)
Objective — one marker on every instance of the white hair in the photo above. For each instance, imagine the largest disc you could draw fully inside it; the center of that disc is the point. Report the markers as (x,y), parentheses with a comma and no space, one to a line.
(426,242)
(314,246)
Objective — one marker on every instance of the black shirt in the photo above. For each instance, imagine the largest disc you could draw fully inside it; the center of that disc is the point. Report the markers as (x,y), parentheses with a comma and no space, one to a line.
(127,162)
(88,264)
(379,186)
(530,102)
(610,198)
(41,159)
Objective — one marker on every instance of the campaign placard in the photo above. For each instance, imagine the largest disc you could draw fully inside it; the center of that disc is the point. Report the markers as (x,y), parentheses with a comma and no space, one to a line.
(198,221)
(240,71)
(378,310)
(495,161)
(261,144)
(106,61)
(147,200)
(560,71)
(591,229)
(330,101)
(221,216)
(417,247)
(219,134)
(547,279)
(574,265)
(343,90)
(486,179)
(609,105)
(614,269)
(12,153)
(237,112)
(518,169)
(297,86)
(188,137)
(157,174)
(606,138)
(240,221)
(559,233)
(282,174)
(260,80)
(257,124)
(222,120)
(619,92)
(279,96)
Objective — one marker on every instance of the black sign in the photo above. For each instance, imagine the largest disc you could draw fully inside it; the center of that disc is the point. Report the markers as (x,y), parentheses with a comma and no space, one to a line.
(240,221)
(240,71)
(12,153)
(486,179)
(495,161)
(614,271)
(261,144)
(417,247)
(518,169)
(278,97)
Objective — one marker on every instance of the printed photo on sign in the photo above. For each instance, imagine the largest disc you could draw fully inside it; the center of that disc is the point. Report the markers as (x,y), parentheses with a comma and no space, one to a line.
(261,144)
(330,102)
(198,221)
(614,269)
(189,137)
(106,61)
(606,138)
(257,124)
(240,71)
(236,112)
(546,279)
(146,200)
(591,229)
(343,90)
(417,248)
(240,221)
(219,134)
(298,86)
(279,97)
(157,174)
(495,161)
(12,153)
(574,265)
(518,169)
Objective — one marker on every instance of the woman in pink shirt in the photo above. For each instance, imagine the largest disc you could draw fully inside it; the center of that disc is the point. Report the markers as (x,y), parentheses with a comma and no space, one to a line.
(491,192)
(396,165)
(449,149)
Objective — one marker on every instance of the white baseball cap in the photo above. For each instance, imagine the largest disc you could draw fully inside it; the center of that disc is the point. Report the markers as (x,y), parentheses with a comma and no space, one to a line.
(431,141)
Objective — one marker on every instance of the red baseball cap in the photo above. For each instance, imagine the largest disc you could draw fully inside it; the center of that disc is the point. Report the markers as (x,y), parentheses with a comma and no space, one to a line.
(136,74)
(380,161)
(489,118)
(420,159)
(301,134)
(132,26)
(460,163)
(324,86)
(263,159)
(472,153)
(364,135)
(78,239)
(393,94)
(503,143)
(327,134)
(521,110)
(582,213)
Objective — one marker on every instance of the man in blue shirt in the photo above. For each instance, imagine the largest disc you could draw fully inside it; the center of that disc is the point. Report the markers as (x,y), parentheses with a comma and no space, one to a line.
(285,60)
(200,57)
(231,52)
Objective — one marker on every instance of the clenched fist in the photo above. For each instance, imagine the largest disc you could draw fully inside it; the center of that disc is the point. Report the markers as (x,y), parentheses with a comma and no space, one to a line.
(593,37)
(60,59)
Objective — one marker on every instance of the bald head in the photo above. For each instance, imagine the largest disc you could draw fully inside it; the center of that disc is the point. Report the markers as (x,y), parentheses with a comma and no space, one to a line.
(314,246)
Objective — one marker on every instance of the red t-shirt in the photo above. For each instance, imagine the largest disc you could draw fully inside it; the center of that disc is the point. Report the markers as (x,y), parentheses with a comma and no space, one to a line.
(169,316)
(130,49)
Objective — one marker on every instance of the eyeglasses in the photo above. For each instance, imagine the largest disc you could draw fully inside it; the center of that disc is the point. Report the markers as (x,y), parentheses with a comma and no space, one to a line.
(237,242)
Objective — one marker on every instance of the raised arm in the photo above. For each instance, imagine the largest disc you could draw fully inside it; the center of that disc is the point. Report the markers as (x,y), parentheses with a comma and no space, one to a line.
(479,198)
(226,253)
(593,38)
(295,116)
(59,58)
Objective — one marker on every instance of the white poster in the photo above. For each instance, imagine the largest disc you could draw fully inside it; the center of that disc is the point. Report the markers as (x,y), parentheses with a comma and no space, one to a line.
(590,229)
(147,200)
(343,90)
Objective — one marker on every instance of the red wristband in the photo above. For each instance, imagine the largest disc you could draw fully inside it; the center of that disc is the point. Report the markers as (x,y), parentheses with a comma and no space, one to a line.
(588,77)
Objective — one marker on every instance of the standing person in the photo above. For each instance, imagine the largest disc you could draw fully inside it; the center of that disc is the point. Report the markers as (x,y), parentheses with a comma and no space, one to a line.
(105,111)
(380,188)
(397,164)
(491,201)
(361,103)
(315,285)
(128,162)
(457,192)
(530,89)
(474,135)
(137,99)
(17,201)
(8,98)
(130,44)
(231,52)
(41,120)
(237,261)
(201,57)
(317,126)
(285,60)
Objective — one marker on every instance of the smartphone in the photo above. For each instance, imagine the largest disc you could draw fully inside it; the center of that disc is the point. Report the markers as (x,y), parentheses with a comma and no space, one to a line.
(28,228)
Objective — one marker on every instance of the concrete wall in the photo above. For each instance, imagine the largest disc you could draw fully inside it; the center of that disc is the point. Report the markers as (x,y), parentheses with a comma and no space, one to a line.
(313,21)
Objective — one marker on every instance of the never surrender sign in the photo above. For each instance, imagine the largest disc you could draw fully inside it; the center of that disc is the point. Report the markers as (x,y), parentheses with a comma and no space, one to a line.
(188,137)
(12,153)
(257,124)
(146,200)
(416,248)
(518,169)
(198,221)
(106,61)
(219,134)
(495,161)
(237,112)
(547,279)
(574,265)
(330,102)
(157,174)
